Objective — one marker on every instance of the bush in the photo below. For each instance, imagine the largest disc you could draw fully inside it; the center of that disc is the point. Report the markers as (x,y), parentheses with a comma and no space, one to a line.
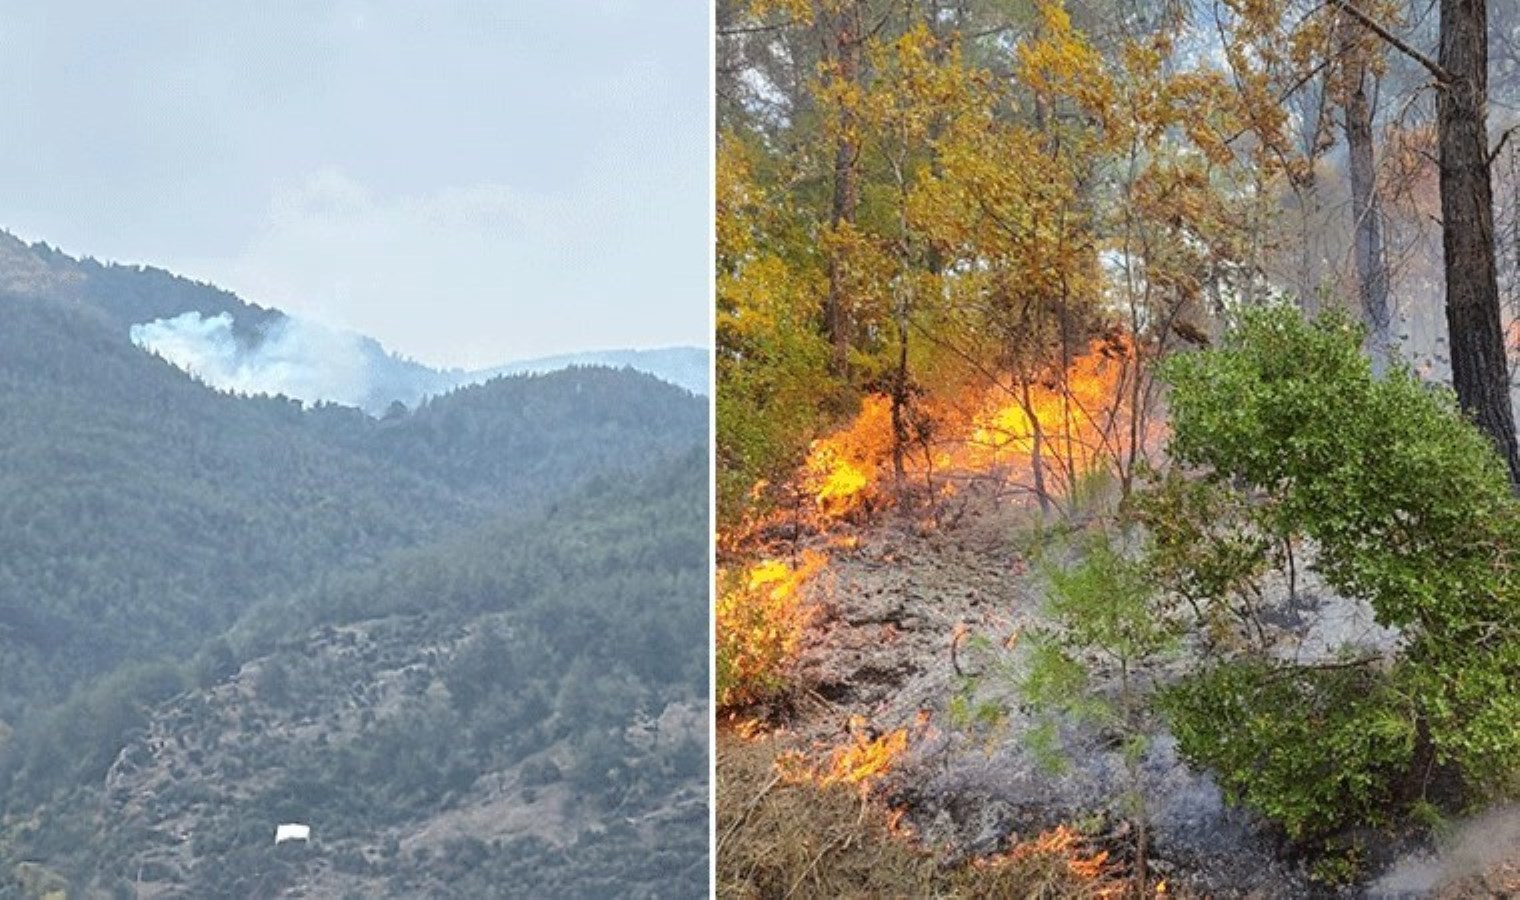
(760,619)
(1312,749)
(1409,509)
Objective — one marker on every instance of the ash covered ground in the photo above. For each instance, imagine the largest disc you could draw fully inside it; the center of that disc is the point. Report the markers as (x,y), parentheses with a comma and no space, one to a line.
(910,614)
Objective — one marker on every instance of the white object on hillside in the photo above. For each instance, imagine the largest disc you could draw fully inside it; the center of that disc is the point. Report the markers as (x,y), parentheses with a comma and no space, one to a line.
(291,832)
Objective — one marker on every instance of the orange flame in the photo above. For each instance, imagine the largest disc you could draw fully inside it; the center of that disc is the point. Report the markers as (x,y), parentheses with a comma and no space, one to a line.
(862,762)
(1063,428)
(1073,425)
(841,469)
(760,624)
(1059,842)
(866,759)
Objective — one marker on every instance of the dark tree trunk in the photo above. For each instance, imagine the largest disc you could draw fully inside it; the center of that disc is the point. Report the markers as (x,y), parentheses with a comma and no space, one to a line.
(844,44)
(1371,271)
(1480,371)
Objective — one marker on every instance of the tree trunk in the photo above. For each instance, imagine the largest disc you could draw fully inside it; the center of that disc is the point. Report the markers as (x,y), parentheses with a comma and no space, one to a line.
(844,42)
(1371,270)
(1036,452)
(1479,369)
(900,401)
(1309,249)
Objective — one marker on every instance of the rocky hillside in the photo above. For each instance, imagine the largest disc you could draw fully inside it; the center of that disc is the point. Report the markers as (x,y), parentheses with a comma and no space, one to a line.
(464,642)
(190,805)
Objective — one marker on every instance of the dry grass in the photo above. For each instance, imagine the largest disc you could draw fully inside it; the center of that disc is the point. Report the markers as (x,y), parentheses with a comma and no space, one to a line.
(780,840)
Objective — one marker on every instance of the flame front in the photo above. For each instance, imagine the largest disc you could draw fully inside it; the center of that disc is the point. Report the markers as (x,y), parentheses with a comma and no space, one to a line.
(841,469)
(1066,845)
(1044,434)
(1073,423)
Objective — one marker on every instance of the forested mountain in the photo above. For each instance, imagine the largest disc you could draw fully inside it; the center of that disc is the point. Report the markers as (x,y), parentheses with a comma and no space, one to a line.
(123,295)
(244,348)
(184,568)
(687,367)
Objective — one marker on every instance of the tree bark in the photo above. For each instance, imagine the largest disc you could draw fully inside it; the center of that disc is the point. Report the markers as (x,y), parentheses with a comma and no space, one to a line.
(1479,368)
(1480,371)
(1371,270)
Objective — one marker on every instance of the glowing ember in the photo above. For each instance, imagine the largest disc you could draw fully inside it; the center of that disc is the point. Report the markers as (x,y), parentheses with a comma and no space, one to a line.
(742,728)
(897,827)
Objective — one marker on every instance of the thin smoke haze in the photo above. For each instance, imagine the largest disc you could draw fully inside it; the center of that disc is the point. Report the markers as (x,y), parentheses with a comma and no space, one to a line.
(1472,847)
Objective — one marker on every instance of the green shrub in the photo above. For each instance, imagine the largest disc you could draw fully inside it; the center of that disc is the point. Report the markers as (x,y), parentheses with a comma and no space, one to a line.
(1312,749)
(1286,432)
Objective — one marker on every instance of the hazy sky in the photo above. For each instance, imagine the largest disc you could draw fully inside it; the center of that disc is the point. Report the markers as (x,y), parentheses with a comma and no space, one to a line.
(469,182)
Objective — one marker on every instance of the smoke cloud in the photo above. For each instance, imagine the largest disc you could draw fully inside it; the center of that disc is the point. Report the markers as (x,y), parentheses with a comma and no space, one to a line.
(1475,846)
(299,359)
(313,363)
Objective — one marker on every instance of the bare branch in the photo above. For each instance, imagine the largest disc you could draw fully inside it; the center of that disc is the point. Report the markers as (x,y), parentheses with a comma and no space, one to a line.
(735,30)
(1503,139)
(1393,40)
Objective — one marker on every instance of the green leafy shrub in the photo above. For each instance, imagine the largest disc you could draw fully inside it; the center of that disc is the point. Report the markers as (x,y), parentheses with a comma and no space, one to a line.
(1286,432)
(1104,605)
(1310,748)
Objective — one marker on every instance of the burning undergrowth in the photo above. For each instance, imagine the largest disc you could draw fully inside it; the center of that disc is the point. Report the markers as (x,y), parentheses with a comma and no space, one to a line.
(795,646)
(1038,436)
(761,617)
(781,836)
(1043,437)
(1045,440)
(862,761)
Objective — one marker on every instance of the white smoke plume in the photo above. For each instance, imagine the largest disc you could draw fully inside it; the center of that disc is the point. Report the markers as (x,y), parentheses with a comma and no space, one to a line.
(313,363)
(299,359)
(1473,847)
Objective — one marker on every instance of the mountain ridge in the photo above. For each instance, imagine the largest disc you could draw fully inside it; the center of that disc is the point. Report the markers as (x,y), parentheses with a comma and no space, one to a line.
(240,346)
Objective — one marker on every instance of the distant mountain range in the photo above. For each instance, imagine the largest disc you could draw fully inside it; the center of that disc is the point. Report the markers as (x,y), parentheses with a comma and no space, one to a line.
(685,367)
(237,346)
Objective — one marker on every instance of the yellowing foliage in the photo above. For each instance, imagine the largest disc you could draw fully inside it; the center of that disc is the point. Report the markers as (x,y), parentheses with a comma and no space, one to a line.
(759,619)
